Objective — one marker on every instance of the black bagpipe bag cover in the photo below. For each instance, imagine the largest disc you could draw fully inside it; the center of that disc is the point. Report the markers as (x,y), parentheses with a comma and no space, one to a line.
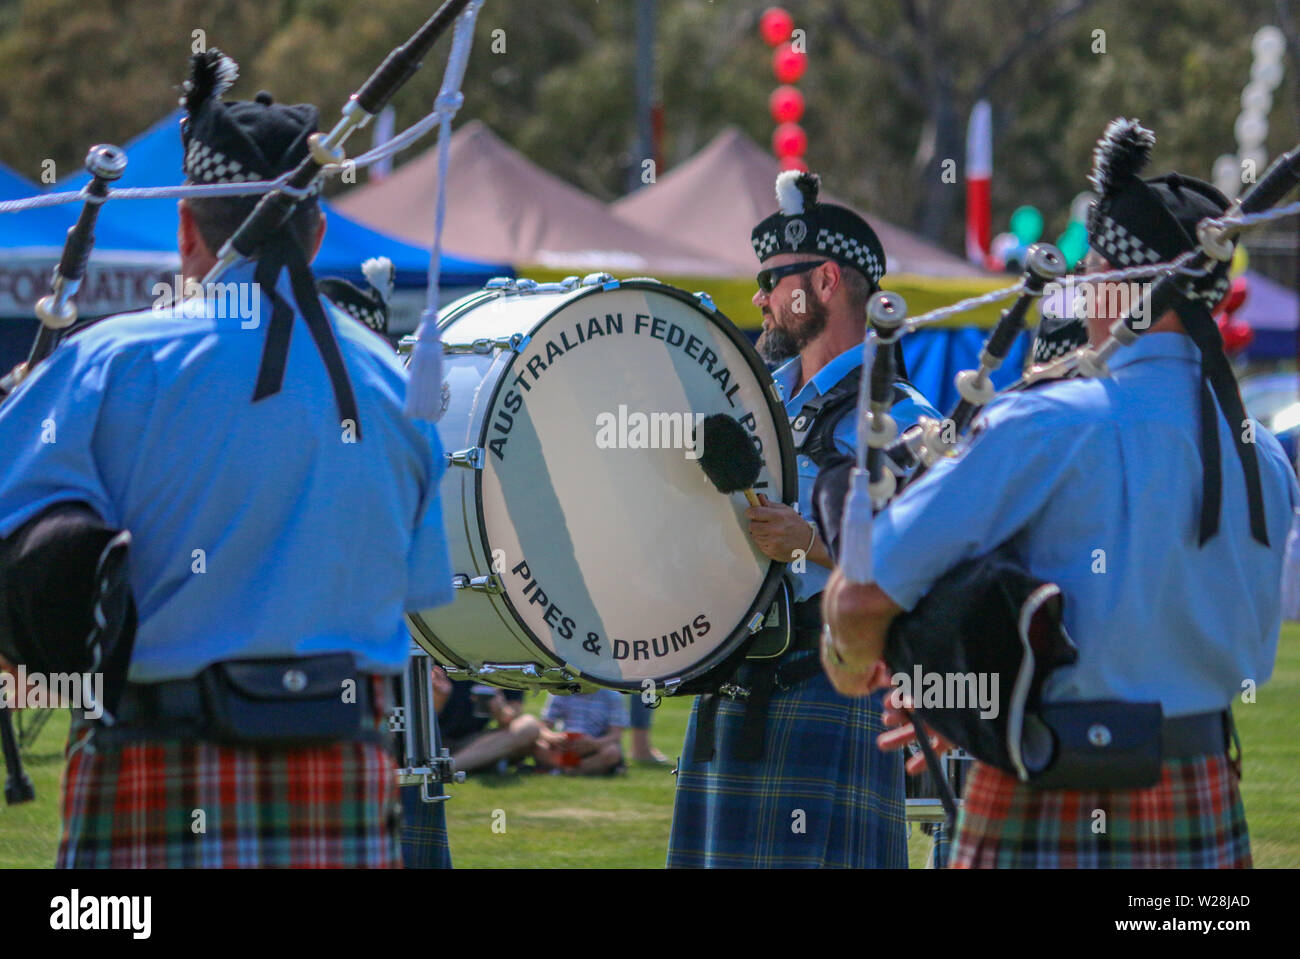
(986,616)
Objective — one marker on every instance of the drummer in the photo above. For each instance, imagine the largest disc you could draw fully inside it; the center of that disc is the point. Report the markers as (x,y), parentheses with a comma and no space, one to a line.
(274,542)
(806,787)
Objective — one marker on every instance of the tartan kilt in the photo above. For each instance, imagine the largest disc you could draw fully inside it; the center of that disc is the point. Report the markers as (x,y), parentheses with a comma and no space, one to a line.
(424,831)
(134,805)
(1192,819)
(820,757)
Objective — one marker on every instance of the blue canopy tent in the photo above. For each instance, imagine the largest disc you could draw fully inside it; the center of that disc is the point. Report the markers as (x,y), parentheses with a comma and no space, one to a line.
(934,357)
(31,242)
(14,185)
(1273,312)
(154,158)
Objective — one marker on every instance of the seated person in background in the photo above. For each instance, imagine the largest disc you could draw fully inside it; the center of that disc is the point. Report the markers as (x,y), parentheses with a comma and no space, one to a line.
(593,731)
(466,708)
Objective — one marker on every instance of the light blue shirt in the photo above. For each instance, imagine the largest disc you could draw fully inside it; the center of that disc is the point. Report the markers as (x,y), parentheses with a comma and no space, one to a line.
(258,530)
(906,412)
(1097,485)
(589,713)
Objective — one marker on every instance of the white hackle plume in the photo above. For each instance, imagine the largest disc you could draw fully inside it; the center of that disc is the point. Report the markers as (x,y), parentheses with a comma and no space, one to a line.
(855,524)
(788,196)
(380,274)
(796,191)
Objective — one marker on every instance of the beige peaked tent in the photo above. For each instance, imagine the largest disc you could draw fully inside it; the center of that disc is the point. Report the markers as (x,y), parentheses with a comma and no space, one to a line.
(503,207)
(714,199)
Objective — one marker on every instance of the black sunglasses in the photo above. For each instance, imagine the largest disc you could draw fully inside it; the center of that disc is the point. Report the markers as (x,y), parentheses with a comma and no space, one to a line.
(769,278)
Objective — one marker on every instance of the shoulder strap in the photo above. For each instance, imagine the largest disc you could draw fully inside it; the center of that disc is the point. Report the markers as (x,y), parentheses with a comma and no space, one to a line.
(814,426)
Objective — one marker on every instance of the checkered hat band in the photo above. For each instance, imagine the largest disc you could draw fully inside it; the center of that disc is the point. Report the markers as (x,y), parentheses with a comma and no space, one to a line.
(1048,348)
(766,245)
(846,247)
(203,164)
(1214,293)
(206,165)
(1117,244)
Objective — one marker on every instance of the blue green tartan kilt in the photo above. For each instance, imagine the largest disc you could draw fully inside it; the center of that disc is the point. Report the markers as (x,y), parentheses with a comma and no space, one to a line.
(424,831)
(822,795)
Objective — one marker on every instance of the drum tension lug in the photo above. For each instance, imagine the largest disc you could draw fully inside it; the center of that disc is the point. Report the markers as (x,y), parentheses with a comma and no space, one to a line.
(471,458)
(756,623)
(479,584)
(485,346)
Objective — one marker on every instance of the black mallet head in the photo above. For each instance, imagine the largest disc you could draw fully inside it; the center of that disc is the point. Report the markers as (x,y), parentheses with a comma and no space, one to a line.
(728,458)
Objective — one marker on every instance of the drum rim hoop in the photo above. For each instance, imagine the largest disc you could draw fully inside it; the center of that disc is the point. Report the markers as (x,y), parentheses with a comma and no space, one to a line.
(789,483)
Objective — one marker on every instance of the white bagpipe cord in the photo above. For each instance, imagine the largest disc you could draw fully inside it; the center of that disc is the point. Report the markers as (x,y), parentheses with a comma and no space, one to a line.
(424,386)
(855,524)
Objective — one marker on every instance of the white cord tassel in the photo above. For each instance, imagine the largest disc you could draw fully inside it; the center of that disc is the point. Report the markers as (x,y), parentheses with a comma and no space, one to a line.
(855,534)
(424,385)
(855,524)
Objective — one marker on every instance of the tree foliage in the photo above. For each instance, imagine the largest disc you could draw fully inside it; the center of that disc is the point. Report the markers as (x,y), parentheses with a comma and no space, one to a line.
(889,85)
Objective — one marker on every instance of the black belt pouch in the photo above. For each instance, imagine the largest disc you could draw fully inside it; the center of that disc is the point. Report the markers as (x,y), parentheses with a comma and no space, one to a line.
(1094,745)
(264,702)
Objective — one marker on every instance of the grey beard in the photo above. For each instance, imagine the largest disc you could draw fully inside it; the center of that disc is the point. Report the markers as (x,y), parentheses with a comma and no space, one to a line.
(776,346)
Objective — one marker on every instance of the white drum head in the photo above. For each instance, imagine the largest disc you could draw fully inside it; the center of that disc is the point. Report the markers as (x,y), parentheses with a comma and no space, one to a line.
(615,553)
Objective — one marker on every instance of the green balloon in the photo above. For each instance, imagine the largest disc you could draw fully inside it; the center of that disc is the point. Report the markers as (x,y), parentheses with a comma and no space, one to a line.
(1027,224)
(1073,243)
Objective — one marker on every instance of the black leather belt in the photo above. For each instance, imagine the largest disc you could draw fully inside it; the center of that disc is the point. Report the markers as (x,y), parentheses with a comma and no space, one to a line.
(1199,734)
(762,678)
(255,703)
(179,702)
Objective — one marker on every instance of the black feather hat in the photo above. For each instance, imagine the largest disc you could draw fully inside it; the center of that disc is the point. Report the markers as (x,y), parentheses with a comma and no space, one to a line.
(803,224)
(1136,222)
(245,140)
(369,306)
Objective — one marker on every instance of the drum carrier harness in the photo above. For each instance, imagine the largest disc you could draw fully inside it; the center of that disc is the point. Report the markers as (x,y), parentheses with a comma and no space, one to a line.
(788,627)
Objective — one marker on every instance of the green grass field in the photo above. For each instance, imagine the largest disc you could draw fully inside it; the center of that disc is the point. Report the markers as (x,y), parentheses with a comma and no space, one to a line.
(623,822)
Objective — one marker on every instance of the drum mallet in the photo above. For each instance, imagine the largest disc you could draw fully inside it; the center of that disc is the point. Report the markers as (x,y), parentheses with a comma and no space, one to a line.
(728,458)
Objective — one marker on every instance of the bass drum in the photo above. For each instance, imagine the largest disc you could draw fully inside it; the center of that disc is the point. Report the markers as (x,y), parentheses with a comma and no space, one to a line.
(590,549)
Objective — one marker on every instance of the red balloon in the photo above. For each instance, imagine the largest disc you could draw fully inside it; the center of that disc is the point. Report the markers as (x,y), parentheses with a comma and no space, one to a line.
(789,140)
(786,104)
(794,163)
(788,63)
(775,25)
(1236,336)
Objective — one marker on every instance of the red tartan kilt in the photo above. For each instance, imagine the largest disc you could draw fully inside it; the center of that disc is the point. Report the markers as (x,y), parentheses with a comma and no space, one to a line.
(198,804)
(1192,819)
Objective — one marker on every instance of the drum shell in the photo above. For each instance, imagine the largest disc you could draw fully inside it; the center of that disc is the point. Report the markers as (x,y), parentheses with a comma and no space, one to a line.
(478,630)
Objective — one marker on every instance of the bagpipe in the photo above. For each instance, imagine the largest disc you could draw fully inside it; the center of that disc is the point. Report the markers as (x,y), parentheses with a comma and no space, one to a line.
(276,206)
(989,615)
(57,313)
